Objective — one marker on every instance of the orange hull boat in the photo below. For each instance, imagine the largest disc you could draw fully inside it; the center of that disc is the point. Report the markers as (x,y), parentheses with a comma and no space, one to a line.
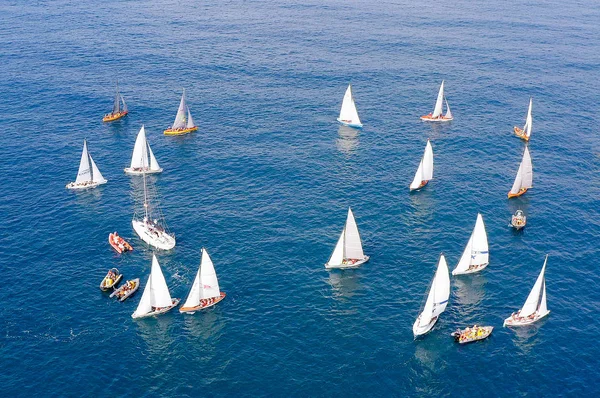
(204,303)
(514,195)
(111,117)
(519,132)
(119,244)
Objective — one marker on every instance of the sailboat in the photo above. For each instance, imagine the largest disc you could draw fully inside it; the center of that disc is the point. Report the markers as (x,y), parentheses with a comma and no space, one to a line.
(143,160)
(348,252)
(425,171)
(88,175)
(184,123)
(205,290)
(437,115)
(476,254)
(148,228)
(524,178)
(156,298)
(535,307)
(437,300)
(348,113)
(525,132)
(117,111)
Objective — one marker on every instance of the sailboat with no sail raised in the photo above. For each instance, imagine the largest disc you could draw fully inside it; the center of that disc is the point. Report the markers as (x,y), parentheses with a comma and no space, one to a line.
(142,159)
(535,307)
(205,291)
(89,175)
(348,252)
(156,298)
(118,111)
(425,170)
(437,300)
(348,113)
(184,123)
(437,114)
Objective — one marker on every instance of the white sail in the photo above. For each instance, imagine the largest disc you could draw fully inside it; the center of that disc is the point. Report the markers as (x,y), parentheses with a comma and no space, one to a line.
(418,177)
(193,299)
(437,111)
(352,244)
(139,158)
(180,119)
(517,184)
(442,287)
(465,259)
(96,175)
(528,120)
(85,172)
(427,314)
(153,162)
(160,296)
(428,162)
(476,252)
(209,284)
(527,171)
(348,111)
(124,104)
(338,253)
(448,114)
(190,121)
(536,296)
(145,305)
(117,102)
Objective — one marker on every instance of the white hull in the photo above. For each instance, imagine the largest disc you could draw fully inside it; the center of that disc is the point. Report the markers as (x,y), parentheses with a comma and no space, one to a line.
(158,312)
(86,185)
(347,266)
(471,271)
(510,321)
(350,124)
(421,330)
(129,170)
(158,239)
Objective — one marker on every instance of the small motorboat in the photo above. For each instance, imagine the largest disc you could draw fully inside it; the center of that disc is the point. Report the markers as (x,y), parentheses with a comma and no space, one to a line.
(471,334)
(519,220)
(118,243)
(111,280)
(126,290)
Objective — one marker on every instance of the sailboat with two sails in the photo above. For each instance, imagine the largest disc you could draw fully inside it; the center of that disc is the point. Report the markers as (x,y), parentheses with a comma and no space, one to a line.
(525,132)
(524,178)
(156,298)
(348,252)
(184,123)
(142,159)
(88,175)
(425,170)
(205,291)
(437,114)
(535,307)
(437,300)
(118,111)
(348,113)
(476,254)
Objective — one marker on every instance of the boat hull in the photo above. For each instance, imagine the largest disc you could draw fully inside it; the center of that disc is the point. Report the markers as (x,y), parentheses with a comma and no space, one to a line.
(86,185)
(115,245)
(355,264)
(174,304)
(180,131)
(111,117)
(470,270)
(430,118)
(514,195)
(510,321)
(159,239)
(350,124)
(519,132)
(131,171)
(423,183)
(487,331)
(191,310)
(421,330)
(127,294)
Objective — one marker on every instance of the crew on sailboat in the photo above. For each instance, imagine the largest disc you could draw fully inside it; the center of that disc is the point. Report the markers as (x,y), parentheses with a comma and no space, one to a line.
(117,111)
(89,175)
(183,124)
(348,252)
(437,114)
(525,132)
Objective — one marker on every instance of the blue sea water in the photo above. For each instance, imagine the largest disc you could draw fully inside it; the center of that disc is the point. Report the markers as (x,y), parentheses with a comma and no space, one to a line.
(265,184)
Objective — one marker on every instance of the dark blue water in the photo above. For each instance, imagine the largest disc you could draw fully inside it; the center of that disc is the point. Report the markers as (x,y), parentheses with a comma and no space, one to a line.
(265,184)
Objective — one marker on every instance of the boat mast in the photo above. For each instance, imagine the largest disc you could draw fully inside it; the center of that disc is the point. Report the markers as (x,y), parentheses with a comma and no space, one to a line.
(144,155)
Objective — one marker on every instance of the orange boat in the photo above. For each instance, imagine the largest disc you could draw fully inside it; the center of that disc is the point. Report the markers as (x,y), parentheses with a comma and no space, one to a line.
(525,132)
(118,111)
(514,195)
(118,243)
(184,123)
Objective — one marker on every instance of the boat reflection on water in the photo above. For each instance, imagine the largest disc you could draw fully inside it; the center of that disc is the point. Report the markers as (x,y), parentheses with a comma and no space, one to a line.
(525,337)
(156,333)
(345,283)
(347,141)
(469,290)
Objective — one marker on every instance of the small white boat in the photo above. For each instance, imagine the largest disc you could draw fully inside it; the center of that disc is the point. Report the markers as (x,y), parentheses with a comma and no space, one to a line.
(476,254)
(143,159)
(525,132)
(535,307)
(437,300)
(88,175)
(348,252)
(518,220)
(348,113)
(425,170)
(205,290)
(524,178)
(184,123)
(156,298)
(437,114)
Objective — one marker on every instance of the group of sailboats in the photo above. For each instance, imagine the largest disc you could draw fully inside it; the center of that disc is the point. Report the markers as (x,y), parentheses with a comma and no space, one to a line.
(204,293)
(524,178)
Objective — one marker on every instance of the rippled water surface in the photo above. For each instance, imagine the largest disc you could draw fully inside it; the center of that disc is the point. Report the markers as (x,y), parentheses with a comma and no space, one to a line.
(265,184)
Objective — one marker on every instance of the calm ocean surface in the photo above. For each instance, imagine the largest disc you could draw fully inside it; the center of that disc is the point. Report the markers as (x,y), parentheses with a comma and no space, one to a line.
(265,185)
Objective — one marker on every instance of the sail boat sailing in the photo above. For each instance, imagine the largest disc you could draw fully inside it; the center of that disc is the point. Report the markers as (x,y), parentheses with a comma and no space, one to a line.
(88,175)
(184,123)
(437,299)
(205,290)
(156,298)
(348,113)
(348,252)
(525,132)
(143,159)
(535,307)
(524,178)
(425,170)
(437,115)
(148,228)
(117,111)
(476,254)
